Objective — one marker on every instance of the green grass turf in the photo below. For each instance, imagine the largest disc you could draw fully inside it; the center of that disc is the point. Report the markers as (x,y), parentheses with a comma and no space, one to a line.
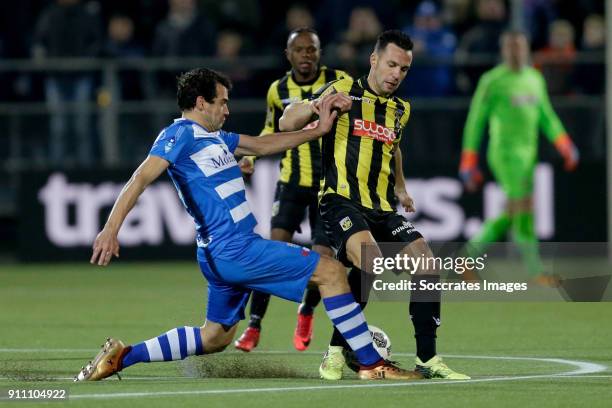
(75,307)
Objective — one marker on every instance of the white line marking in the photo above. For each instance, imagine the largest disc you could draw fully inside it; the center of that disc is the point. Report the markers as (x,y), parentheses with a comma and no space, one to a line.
(581,368)
(307,388)
(585,376)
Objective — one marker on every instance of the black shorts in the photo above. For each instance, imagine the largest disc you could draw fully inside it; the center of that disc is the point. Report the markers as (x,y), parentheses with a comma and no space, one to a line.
(343,218)
(289,210)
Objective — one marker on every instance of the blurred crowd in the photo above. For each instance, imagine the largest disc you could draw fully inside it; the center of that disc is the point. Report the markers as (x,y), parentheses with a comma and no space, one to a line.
(455,42)
(444,31)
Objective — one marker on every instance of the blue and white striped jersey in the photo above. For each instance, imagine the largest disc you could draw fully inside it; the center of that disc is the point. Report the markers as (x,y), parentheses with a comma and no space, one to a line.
(207,179)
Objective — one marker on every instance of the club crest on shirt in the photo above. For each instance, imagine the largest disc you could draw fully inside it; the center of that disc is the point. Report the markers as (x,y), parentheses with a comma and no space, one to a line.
(346,223)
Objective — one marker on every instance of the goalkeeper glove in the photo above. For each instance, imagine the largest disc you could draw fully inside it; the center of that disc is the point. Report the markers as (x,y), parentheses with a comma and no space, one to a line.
(567,149)
(469,173)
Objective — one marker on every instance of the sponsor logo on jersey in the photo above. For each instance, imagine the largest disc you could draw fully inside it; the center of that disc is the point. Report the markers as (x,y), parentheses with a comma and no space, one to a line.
(223,159)
(373,130)
(524,99)
(214,158)
(346,223)
(405,225)
(359,98)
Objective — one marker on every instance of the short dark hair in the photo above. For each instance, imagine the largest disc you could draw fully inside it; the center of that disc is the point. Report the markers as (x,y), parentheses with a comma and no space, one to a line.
(199,82)
(301,30)
(396,37)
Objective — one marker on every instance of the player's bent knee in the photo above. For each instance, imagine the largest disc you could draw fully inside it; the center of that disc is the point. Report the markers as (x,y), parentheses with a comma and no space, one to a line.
(420,248)
(323,250)
(329,272)
(216,337)
(217,344)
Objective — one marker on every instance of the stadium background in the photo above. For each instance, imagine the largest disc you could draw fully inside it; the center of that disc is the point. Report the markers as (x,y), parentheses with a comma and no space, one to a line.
(84,91)
(123,60)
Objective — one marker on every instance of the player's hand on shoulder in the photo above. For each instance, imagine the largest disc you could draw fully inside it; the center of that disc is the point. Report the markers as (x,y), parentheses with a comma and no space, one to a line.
(339,100)
(327,112)
(247,165)
(342,102)
(105,246)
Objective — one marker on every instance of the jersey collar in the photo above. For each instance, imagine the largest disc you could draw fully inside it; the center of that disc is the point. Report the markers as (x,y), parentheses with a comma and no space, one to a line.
(363,82)
(312,81)
(195,123)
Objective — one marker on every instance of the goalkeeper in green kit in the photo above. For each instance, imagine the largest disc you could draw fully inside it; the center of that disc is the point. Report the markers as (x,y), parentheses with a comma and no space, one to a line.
(512,98)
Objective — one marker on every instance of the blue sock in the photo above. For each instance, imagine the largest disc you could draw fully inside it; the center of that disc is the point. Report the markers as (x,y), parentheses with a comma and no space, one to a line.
(175,344)
(348,318)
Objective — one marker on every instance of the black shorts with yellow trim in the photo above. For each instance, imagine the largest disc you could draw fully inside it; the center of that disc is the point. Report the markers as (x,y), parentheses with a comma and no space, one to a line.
(343,218)
(289,210)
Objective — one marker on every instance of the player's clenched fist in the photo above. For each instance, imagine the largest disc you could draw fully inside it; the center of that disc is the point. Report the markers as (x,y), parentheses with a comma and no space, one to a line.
(340,101)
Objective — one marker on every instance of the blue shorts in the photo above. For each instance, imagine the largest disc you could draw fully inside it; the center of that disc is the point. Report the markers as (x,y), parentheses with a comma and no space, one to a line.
(248,263)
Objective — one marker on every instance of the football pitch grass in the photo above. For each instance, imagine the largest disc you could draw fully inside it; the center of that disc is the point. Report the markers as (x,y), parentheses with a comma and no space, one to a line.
(54,317)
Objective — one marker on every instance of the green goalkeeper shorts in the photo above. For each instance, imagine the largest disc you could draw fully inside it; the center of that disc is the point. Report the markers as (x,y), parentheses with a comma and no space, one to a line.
(514,174)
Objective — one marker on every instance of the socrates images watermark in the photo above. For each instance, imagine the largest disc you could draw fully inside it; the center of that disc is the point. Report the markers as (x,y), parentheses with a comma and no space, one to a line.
(401,263)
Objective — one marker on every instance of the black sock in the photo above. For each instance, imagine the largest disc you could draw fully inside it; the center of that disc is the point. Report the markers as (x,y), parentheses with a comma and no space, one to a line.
(312,297)
(426,319)
(259,305)
(355,282)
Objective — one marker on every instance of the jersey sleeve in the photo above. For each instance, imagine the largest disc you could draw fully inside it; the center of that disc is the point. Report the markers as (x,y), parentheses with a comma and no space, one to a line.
(172,143)
(477,115)
(342,75)
(272,110)
(549,121)
(324,90)
(231,139)
(403,120)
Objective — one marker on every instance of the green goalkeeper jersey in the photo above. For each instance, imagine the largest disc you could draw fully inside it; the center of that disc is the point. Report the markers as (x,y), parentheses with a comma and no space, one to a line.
(516,105)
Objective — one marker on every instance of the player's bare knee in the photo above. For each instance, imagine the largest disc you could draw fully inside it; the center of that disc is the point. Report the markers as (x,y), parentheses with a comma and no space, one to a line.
(419,248)
(217,344)
(338,274)
(216,337)
(323,250)
(329,272)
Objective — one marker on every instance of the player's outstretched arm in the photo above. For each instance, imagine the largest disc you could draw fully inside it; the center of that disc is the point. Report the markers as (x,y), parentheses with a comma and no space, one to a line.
(280,142)
(106,243)
(299,114)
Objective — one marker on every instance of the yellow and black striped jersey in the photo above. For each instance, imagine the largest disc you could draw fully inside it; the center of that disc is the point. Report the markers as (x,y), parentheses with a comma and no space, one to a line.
(358,153)
(301,166)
